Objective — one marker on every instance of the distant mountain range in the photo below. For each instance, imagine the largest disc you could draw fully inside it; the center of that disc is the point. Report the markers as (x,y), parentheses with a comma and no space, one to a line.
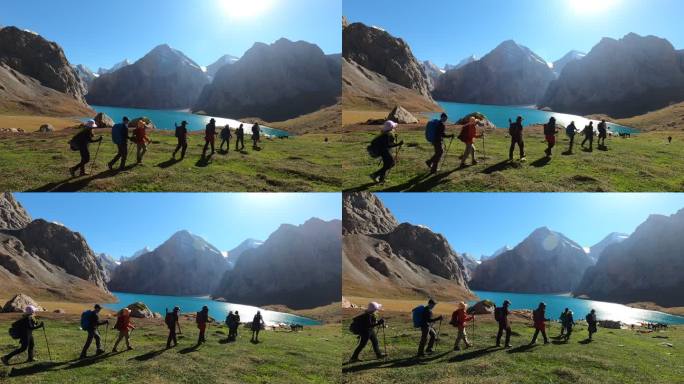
(234,254)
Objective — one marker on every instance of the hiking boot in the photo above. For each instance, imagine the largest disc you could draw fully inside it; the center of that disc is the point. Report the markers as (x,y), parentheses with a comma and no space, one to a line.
(129,348)
(523,159)
(546,342)
(110,166)
(114,350)
(375,178)
(99,352)
(82,356)
(72,172)
(457,349)
(420,355)
(509,346)
(5,360)
(474,162)
(429,351)
(468,346)
(31,360)
(381,356)
(533,343)
(428,163)
(354,360)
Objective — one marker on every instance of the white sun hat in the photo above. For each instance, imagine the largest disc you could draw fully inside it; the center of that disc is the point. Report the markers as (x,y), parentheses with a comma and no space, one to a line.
(373,307)
(389,125)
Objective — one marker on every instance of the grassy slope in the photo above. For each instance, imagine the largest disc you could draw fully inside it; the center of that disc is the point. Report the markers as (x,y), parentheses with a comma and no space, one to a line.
(641,163)
(670,118)
(309,356)
(32,123)
(616,356)
(303,163)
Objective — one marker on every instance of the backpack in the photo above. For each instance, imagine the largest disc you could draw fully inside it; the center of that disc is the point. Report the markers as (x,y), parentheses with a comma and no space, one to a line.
(498,313)
(374,147)
(463,134)
(418,313)
(169,320)
(356,326)
(85,319)
(72,144)
(197,317)
(511,129)
(14,330)
(455,318)
(431,130)
(536,314)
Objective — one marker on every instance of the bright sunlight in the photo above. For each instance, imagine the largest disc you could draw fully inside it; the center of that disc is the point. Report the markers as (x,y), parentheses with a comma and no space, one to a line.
(592,7)
(245,9)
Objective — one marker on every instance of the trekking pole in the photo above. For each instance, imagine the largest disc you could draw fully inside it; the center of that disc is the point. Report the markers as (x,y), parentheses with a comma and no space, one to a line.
(92,164)
(484,148)
(446,153)
(106,331)
(439,330)
(47,343)
(473,327)
(384,339)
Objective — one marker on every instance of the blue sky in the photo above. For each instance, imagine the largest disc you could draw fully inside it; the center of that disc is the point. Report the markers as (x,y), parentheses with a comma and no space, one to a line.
(446,31)
(481,223)
(121,223)
(102,33)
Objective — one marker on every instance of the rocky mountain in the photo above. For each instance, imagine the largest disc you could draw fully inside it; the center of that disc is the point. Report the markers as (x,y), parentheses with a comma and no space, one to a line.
(213,68)
(433,73)
(12,213)
(235,253)
(117,66)
(545,262)
(620,78)
(297,266)
(646,267)
(461,63)
(183,265)
(498,252)
(613,238)
(382,53)
(36,77)
(511,74)
(163,79)
(139,252)
(274,82)
(470,265)
(86,75)
(108,264)
(381,257)
(559,64)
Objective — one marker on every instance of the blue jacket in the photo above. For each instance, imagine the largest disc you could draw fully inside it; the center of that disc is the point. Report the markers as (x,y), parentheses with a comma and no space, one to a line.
(119,133)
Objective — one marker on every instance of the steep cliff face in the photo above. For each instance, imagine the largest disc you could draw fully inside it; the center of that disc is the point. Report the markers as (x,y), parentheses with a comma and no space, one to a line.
(297,266)
(545,262)
(364,213)
(647,266)
(12,213)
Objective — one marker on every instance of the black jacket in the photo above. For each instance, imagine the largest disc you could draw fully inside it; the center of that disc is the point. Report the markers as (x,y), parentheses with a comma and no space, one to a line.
(26,325)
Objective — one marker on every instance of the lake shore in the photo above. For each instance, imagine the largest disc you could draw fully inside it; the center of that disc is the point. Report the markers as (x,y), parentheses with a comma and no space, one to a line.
(326,314)
(678,311)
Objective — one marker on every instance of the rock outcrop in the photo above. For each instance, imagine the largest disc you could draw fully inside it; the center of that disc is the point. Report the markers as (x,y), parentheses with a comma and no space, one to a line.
(620,78)
(274,82)
(363,213)
(107,264)
(12,213)
(297,266)
(183,265)
(163,79)
(140,310)
(19,303)
(401,116)
(545,262)
(433,72)
(511,74)
(86,75)
(646,267)
(103,120)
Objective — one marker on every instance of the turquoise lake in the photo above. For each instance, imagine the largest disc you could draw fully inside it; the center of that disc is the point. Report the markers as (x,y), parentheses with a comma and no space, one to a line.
(499,116)
(555,304)
(218,310)
(165,119)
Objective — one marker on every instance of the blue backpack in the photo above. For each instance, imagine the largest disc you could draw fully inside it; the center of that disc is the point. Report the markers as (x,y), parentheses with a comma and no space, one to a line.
(418,313)
(431,130)
(85,320)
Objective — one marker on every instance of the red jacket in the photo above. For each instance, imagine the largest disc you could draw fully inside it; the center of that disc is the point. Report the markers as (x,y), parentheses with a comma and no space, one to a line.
(140,136)
(469,132)
(123,323)
(460,317)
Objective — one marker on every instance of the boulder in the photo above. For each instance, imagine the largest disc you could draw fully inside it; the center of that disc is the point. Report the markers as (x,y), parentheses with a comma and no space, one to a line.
(611,324)
(484,121)
(148,122)
(346,304)
(401,116)
(46,128)
(103,121)
(59,310)
(484,307)
(19,303)
(140,310)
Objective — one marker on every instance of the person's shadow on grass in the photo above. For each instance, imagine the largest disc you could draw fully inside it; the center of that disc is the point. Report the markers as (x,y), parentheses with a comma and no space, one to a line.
(88,361)
(542,162)
(473,354)
(169,163)
(149,355)
(522,348)
(499,167)
(190,349)
(203,162)
(585,341)
(76,184)
(35,368)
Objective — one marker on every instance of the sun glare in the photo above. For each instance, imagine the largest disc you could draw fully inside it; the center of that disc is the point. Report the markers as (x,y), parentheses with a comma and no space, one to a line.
(592,7)
(245,9)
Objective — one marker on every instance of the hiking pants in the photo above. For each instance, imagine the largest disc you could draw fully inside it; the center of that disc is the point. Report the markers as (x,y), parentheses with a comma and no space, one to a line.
(26,343)
(123,335)
(602,139)
(591,141)
(502,328)
(469,151)
(551,140)
(568,332)
(121,153)
(202,330)
(255,335)
(92,334)
(224,141)
(363,341)
(255,141)
(517,139)
(85,159)
(240,141)
(536,333)
(182,146)
(140,153)
(437,157)
(172,337)
(462,335)
(208,142)
(572,143)
(424,333)
(387,164)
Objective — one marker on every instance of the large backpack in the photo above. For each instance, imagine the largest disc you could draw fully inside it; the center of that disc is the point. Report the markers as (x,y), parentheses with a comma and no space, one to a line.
(14,331)
(169,320)
(374,147)
(536,314)
(431,130)
(455,318)
(498,313)
(356,326)
(511,129)
(463,134)
(197,317)
(85,319)
(417,314)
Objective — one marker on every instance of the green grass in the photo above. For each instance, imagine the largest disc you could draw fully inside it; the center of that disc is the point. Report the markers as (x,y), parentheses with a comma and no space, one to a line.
(309,356)
(642,163)
(615,356)
(40,162)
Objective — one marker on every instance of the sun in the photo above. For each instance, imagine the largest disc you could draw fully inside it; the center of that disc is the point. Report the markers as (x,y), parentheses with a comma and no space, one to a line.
(591,7)
(245,9)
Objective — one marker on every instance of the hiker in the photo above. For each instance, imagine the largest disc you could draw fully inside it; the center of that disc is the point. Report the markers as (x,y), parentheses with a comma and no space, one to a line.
(364,325)
(501,316)
(467,136)
(22,329)
(141,140)
(80,143)
(602,134)
(229,323)
(591,322)
(202,319)
(562,320)
(236,325)
(458,319)
(435,132)
(171,321)
(422,318)
(539,319)
(669,139)
(124,326)
(589,135)
(257,323)
(209,137)
(516,132)
(240,138)
(381,146)
(90,320)
(182,137)
(225,138)
(571,131)
(120,139)
(568,322)
(550,135)
(256,135)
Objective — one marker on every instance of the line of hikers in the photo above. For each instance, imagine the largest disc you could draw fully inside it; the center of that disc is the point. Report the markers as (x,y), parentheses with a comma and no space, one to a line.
(365,324)
(23,328)
(121,139)
(435,133)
